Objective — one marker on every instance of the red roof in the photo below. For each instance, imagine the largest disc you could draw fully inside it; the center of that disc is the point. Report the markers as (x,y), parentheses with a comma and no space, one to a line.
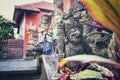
(36,6)
(32,7)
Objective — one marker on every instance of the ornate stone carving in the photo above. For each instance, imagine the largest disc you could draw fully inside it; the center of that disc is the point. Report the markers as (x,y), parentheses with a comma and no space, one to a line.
(31,31)
(44,28)
(59,24)
(75,43)
(99,41)
(45,22)
(69,30)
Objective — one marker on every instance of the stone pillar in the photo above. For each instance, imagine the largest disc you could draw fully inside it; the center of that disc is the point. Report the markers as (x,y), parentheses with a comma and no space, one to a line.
(60,38)
(59,24)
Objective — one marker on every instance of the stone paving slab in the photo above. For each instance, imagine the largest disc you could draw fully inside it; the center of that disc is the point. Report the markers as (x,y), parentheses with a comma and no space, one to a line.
(18,65)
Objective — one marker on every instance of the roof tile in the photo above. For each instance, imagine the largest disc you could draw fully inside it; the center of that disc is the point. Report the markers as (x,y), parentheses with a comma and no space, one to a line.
(36,6)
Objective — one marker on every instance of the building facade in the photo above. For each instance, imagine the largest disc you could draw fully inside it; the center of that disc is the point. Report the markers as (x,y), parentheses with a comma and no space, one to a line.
(27,18)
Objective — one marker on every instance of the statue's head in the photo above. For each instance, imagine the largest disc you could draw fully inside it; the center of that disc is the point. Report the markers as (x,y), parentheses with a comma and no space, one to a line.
(75,34)
(45,19)
(58,17)
(78,8)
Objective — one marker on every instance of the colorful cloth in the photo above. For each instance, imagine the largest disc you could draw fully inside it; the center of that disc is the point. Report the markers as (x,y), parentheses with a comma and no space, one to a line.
(48,47)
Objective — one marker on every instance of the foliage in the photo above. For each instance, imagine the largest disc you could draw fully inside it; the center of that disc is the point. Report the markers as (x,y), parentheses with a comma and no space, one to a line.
(6,28)
(2,54)
(87,74)
(29,53)
(107,12)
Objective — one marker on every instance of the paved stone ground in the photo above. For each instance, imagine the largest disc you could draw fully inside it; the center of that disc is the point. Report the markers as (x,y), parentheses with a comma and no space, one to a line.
(16,70)
(19,69)
(18,65)
(20,77)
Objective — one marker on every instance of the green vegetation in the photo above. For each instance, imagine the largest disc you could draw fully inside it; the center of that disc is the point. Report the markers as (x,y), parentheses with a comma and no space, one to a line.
(6,28)
(6,31)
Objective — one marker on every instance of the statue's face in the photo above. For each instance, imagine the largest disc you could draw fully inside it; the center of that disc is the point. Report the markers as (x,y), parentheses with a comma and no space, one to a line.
(58,19)
(45,19)
(77,14)
(75,35)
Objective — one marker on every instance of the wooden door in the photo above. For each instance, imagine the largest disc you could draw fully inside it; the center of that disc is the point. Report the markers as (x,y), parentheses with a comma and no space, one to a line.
(15,49)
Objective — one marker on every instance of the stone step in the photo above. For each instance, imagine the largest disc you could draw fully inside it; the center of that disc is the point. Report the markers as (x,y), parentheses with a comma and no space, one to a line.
(18,65)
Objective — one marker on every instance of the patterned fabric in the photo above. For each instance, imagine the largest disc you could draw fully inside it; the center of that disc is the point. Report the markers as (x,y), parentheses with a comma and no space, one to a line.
(48,47)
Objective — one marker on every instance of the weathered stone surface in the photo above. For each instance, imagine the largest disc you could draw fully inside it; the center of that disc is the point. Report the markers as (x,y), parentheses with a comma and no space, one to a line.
(18,65)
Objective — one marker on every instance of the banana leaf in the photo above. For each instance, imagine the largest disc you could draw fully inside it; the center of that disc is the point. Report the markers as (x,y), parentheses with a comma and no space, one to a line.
(88,59)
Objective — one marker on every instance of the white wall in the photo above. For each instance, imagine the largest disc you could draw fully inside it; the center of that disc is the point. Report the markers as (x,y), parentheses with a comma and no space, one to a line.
(22,29)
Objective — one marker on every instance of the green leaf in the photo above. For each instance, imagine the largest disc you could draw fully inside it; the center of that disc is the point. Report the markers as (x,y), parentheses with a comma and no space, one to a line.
(87,74)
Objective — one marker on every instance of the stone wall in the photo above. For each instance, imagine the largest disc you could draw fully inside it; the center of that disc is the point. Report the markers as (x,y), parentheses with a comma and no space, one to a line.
(80,37)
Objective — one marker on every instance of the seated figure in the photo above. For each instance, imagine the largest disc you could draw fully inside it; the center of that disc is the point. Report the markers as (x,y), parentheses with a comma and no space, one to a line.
(75,43)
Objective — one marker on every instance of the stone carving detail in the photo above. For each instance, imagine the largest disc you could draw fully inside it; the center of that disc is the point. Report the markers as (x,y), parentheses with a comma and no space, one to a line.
(80,38)
(70,38)
(74,40)
(75,43)
(59,25)
(45,28)
(32,35)
(45,21)
(99,41)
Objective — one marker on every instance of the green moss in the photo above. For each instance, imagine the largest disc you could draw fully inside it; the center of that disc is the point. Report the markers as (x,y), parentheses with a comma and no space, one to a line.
(29,53)
(1,54)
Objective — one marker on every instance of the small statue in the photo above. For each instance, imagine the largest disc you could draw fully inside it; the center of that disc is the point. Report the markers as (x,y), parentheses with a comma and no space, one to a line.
(45,34)
(75,43)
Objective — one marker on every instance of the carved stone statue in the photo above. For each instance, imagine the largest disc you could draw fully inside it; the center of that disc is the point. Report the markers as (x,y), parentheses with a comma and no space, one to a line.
(75,43)
(59,24)
(98,41)
(45,34)
(44,28)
